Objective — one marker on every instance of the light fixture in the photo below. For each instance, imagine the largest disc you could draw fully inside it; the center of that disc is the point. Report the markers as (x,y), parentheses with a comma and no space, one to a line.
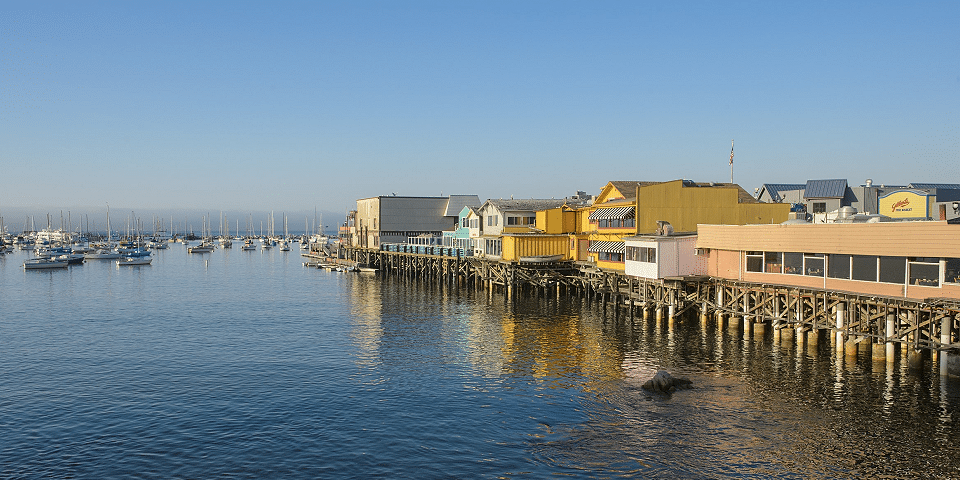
(956,207)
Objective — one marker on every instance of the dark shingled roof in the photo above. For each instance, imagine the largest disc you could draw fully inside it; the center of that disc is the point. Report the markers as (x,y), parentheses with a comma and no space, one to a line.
(527,205)
(835,188)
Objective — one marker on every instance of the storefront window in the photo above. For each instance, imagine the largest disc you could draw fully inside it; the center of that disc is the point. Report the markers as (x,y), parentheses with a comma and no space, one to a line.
(951,270)
(773,262)
(925,271)
(793,263)
(893,269)
(813,264)
(863,267)
(839,266)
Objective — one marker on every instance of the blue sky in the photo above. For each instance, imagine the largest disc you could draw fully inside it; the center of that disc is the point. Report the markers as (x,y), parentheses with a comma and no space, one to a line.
(294,105)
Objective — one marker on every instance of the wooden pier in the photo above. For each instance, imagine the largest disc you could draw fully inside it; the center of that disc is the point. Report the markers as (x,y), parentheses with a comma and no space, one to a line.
(852,322)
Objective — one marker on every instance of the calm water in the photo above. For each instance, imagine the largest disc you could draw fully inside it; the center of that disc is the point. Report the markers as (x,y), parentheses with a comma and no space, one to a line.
(246,364)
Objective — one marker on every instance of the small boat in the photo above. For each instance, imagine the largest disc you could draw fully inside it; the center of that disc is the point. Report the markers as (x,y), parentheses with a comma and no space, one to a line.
(202,247)
(103,254)
(248,245)
(42,263)
(134,261)
(284,247)
(155,245)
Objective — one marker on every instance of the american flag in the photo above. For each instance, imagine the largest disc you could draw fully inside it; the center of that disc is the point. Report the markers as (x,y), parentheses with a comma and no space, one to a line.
(731,152)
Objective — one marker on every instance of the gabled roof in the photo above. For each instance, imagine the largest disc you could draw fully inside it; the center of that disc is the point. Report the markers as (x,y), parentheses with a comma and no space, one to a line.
(455,204)
(835,188)
(944,186)
(775,190)
(627,188)
(526,205)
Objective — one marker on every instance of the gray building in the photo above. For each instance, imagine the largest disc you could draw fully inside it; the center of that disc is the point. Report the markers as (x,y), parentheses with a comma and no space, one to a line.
(392,219)
(818,198)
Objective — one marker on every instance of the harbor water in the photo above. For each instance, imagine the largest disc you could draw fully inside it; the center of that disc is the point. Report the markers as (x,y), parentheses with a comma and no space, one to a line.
(246,364)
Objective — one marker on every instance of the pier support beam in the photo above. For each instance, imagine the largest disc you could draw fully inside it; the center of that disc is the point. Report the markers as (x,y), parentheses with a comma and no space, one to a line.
(746,312)
(839,313)
(946,337)
(891,347)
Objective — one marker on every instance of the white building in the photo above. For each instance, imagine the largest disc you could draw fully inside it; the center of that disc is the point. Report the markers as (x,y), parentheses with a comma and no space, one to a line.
(662,256)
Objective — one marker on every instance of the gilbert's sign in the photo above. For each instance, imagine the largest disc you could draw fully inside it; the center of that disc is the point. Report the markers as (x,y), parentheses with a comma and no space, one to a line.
(904,204)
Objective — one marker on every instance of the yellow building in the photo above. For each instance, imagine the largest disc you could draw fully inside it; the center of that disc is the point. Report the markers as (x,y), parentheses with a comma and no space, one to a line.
(619,212)
(604,224)
(685,204)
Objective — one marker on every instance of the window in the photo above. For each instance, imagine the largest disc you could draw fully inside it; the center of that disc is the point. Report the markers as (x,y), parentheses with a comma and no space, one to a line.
(893,269)
(793,263)
(489,220)
(951,270)
(813,264)
(863,267)
(839,266)
(616,223)
(521,220)
(924,271)
(493,247)
(610,257)
(754,261)
(642,254)
(819,207)
(773,262)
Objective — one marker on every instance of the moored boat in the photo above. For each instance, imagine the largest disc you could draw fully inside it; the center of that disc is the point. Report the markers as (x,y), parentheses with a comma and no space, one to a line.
(134,261)
(103,254)
(43,263)
(202,247)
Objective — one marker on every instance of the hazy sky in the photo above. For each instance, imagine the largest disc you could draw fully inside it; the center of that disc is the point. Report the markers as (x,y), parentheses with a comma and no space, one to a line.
(295,105)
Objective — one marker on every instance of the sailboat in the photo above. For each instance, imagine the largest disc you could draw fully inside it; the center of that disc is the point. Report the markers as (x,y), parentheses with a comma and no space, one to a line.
(205,246)
(104,251)
(225,240)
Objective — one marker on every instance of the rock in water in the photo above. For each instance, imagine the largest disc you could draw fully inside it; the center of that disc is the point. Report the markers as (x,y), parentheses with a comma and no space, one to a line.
(663,382)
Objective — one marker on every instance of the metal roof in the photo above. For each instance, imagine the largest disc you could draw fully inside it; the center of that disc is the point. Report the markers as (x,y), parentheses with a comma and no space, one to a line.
(775,190)
(835,188)
(608,213)
(944,186)
(605,246)
(455,203)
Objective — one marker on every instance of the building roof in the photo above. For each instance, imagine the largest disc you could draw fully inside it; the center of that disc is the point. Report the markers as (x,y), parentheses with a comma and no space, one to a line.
(526,205)
(834,188)
(944,186)
(629,187)
(456,203)
(775,190)
(742,195)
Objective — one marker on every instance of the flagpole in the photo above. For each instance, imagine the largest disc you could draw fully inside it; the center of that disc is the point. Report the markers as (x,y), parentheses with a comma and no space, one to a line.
(731,161)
